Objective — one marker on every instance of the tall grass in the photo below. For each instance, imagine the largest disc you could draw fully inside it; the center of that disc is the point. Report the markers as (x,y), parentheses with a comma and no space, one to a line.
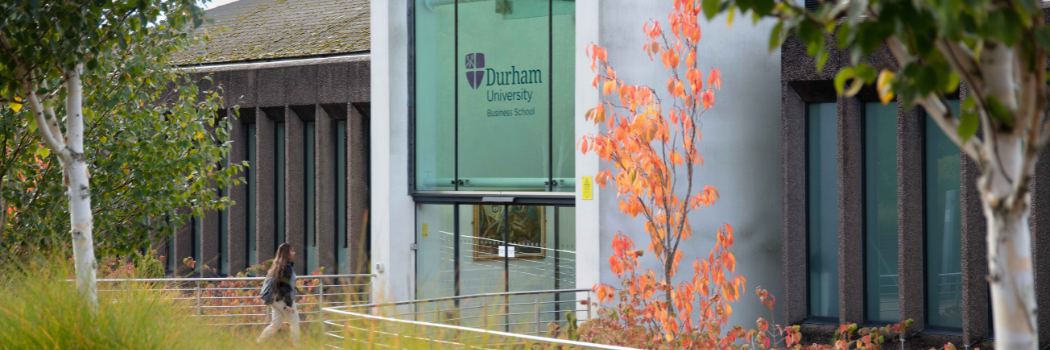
(40,309)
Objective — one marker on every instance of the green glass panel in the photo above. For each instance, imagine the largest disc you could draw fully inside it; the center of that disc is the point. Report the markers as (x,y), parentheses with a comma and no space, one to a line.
(435,65)
(310,231)
(503,92)
(340,197)
(279,184)
(197,227)
(880,213)
(563,92)
(435,256)
(251,180)
(822,209)
(224,236)
(943,227)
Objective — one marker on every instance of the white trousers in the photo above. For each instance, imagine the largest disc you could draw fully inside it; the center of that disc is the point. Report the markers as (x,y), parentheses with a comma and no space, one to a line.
(280,315)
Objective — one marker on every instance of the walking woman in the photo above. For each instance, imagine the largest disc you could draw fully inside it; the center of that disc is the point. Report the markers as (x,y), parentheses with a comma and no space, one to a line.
(283,297)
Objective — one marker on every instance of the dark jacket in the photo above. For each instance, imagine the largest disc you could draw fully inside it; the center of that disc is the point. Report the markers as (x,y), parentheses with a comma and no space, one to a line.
(284,286)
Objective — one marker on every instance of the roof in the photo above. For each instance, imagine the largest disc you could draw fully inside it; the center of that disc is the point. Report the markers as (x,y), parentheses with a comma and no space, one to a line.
(250,30)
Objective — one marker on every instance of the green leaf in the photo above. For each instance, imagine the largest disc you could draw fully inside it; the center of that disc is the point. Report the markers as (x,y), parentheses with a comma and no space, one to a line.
(710,8)
(999,111)
(866,72)
(968,121)
(844,76)
(774,37)
(1042,36)
(43,151)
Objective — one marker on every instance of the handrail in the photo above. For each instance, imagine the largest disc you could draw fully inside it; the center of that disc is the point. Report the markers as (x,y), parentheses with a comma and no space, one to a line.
(472,296)
(219,279)
(484,331)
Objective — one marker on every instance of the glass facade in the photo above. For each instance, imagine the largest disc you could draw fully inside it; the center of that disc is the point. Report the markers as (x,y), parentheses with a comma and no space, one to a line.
(535,252)
(310,230)
(251,180)
(278,185)
(486,77)
(882,293)
(941,165)
(224,236)
(342,264)
(822,210)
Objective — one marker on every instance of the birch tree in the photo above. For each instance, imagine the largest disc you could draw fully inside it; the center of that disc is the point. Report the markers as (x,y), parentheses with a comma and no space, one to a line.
(998,50)
(48,48)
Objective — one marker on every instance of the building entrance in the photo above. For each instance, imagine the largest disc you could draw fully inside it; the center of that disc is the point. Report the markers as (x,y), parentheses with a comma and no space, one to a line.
(469,249)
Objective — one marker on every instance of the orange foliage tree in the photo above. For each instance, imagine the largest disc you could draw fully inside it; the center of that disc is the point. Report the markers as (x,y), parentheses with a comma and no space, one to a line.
(652,144)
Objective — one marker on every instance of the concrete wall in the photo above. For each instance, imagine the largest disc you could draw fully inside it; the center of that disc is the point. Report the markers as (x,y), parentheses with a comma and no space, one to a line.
(741,145)
(291,92)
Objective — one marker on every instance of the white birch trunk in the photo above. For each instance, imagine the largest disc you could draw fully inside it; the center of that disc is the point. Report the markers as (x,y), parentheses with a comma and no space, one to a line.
(1006,203)
(79,190)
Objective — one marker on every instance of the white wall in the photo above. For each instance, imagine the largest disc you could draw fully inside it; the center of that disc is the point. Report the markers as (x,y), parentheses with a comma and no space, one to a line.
(392,209)
(741,144)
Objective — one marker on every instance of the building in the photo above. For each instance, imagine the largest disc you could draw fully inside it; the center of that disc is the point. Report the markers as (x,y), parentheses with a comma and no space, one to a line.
(297,72)
(451,117)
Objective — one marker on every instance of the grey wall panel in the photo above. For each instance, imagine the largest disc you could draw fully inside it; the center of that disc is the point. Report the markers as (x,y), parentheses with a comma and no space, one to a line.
(294,188)
(974,251)
(300,85)
(272,90)
(851,210)
(909,216)
(265,220)
(1040,226)
(236,226)
(333,83)
(357,190)
(359,76)
(793,134)
(324,191)
(240,89)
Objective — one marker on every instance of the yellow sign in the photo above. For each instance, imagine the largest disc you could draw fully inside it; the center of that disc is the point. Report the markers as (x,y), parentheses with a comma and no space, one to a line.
(588,187)
(425,230)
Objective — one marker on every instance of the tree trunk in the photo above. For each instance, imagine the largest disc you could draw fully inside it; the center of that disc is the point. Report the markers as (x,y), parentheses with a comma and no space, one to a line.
(79,191)
(1009,245)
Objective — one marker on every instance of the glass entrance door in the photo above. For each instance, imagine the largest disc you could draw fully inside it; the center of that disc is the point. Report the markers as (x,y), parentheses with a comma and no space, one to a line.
(470,249)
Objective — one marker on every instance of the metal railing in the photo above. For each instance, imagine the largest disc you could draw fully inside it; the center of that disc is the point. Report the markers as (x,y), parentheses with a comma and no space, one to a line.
(493,320)
(234,301)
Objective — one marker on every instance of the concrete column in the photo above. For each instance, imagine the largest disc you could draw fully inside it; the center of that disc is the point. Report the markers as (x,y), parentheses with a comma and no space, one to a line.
(324,190)
(974,250)
(357,190)
(393,260)
(295,188)
(909,217)
(1040,222)
(209,244)
(265,191)
(183,243)
(851,210)
(237,225)
(793,126)
(588,212)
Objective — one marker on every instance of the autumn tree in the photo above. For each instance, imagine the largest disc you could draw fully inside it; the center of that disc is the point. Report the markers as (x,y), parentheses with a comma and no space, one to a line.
(998,50)
(651,145)
(49,49)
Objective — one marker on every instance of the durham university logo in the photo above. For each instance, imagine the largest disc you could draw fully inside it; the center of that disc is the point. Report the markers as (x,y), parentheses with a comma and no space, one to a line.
(475,61)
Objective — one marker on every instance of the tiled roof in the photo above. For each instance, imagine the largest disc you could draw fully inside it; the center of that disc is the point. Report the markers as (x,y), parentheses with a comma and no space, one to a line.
(249,30)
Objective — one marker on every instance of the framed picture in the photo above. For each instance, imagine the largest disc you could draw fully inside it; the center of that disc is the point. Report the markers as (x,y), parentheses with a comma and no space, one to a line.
(528,231)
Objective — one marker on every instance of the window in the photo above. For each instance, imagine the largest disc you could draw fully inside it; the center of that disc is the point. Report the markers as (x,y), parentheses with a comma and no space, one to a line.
(251,179)
(881,292)
(493,95)
(342,262)
(942,172)
(279,184)
(224,218)
(822,210)
(196,222)
(310,232)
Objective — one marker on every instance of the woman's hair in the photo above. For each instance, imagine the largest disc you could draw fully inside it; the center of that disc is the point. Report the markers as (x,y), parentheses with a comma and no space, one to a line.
(284,255)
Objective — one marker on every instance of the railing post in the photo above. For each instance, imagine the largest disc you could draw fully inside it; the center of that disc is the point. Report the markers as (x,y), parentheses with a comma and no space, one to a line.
(537,314)
(198,298)
(484,314)
(320,308)
(588,306)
